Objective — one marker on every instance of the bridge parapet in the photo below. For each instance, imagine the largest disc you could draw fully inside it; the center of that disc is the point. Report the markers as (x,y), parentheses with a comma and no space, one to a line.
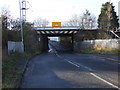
(56,31)
(56,28)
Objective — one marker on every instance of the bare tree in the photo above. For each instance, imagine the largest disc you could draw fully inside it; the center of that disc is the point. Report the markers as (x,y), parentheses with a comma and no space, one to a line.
(74,21)
(88,20)
(84,21)
(39,22)
(93,23)
(14,24)
(5,15)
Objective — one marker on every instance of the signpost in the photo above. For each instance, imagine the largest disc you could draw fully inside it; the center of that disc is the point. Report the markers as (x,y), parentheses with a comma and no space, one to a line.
(56,24)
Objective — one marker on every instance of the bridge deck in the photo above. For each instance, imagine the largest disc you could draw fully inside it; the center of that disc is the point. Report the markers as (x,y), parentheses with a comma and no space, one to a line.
(57,30)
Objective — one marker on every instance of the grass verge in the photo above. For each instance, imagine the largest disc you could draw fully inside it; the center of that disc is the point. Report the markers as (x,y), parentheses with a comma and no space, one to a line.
(12,68)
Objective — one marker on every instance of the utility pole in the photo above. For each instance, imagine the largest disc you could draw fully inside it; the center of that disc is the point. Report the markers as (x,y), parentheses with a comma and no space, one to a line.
(22,5)
(24,10)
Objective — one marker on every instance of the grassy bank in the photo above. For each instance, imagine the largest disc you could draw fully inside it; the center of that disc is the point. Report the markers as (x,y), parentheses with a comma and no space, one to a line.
(12,68)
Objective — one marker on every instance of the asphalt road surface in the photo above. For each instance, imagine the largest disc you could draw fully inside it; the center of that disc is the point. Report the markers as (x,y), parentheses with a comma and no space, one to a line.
(70,70)
(54,45)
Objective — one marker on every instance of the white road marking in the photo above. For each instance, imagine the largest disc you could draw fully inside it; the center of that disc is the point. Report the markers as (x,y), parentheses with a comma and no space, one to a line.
(73,63)
(111,59)
(103,58)
(85,67)
(104,80)
(78,65)
(58,55)
(98,76)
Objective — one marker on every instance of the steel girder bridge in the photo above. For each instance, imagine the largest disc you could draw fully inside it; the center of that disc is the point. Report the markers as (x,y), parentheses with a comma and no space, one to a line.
(46,32)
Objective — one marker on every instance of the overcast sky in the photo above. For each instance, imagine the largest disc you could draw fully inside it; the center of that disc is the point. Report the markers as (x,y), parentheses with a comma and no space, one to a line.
(56,10)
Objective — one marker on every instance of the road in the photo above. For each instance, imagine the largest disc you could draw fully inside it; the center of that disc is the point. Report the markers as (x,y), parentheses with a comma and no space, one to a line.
(70,70)
(54,45)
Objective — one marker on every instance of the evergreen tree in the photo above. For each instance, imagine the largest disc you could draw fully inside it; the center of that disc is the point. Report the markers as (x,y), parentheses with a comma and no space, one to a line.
(108,18)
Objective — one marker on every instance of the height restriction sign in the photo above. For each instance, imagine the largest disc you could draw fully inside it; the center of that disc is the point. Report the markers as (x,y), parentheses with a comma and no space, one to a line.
(56,24)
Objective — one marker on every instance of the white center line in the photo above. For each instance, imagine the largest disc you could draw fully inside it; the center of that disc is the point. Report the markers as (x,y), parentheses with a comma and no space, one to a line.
(104,80)
(78,65)
(84,67)
(72,63)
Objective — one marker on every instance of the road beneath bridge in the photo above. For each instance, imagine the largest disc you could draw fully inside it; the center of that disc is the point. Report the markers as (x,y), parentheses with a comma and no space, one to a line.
(71,70)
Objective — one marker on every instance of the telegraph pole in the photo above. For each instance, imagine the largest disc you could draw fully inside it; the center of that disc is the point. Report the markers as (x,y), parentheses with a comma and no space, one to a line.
(23,9)
(22,5)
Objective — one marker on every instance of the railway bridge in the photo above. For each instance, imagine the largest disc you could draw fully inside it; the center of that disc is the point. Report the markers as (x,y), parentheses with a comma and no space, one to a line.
(46,32)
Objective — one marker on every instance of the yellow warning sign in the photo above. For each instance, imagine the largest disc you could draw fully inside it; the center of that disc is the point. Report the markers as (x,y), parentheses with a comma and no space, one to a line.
(56,24)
